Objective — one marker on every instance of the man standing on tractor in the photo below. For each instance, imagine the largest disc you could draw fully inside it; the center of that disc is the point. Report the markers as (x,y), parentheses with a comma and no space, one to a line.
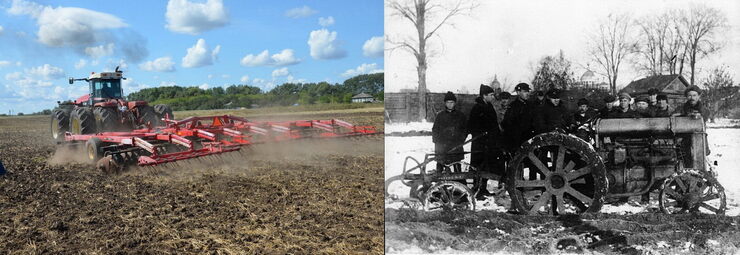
(486,150)
(662,108)
(448,132)
(693,106)
(518,119)
(623,111)
(608,106)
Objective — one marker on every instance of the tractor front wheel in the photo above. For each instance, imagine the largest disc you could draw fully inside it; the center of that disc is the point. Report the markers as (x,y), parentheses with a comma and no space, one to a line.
(106,119)
(82,121)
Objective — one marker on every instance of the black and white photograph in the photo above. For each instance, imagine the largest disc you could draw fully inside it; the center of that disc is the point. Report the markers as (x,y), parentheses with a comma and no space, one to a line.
(540,127)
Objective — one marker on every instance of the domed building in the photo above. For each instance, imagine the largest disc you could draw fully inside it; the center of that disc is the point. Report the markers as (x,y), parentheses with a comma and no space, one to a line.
(590,81)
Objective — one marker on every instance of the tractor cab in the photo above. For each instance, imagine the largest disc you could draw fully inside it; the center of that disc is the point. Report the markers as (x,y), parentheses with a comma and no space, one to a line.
(103,86)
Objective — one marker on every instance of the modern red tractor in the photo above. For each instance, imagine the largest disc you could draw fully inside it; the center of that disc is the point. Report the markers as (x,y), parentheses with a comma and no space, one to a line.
(104,109)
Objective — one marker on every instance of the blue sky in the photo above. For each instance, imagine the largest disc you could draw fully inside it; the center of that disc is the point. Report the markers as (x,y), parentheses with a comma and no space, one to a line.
(205,43)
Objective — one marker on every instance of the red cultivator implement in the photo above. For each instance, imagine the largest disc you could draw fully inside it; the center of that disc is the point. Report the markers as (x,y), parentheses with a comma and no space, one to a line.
(196,137)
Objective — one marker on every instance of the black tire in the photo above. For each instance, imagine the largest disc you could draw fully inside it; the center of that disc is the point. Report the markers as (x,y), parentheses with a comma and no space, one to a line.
(93,149)
(59,124)
(106,119)
(163,110)
(82,121)
(576,176)
(147,115)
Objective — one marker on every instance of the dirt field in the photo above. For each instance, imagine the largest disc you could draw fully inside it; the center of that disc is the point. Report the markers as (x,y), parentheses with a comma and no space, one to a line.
(305,197)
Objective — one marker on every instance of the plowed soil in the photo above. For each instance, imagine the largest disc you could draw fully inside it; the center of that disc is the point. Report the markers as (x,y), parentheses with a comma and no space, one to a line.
(307,197)
(413,231)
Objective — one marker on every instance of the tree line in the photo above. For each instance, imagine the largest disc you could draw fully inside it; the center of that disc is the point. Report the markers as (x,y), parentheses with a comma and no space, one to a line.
(247,96)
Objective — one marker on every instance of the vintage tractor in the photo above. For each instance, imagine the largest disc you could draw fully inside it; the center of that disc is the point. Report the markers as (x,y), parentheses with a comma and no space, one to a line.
(104,109)
(559,173)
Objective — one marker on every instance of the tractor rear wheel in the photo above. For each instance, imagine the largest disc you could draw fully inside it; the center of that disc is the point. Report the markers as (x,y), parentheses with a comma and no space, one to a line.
(148,115)
(106,119)
(555,173)
(163,111)
(59,124)
(82,121)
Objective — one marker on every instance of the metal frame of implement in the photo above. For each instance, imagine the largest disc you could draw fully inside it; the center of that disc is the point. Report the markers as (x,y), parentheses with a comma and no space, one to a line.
(219,134)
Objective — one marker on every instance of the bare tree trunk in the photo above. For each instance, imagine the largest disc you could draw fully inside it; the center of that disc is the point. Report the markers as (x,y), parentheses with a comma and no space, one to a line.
(421,59)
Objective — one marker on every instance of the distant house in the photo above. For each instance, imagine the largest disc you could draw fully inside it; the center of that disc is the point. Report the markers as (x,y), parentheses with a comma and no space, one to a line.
(672,86)
(362,98)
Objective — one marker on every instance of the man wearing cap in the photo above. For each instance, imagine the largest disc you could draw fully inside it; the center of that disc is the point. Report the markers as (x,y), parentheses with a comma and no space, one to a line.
(623,111)
(486,148)
(448,132)
(662,108)
(652,97)
(693,106)
(608,106)
(553,115)
(642,107)
(518,119)
(584,114)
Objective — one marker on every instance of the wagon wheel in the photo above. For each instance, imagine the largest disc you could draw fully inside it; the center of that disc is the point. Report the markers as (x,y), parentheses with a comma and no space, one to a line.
(448,195)
(555,173)
(691,191)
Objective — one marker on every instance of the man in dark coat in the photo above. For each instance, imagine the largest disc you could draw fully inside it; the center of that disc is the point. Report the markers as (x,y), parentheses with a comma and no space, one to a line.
(518,119)
(486,149)
(662,108)
(652,97)
(608,106)
(553,115)
(693,106)
(624,110)
(642,107)
(449,132)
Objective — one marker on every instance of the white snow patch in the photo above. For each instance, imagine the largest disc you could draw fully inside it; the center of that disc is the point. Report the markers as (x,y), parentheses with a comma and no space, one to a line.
(406,127)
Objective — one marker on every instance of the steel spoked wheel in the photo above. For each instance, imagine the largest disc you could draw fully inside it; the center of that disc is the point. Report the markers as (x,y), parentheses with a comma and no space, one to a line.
(449,195)
(555,173)
(692,192)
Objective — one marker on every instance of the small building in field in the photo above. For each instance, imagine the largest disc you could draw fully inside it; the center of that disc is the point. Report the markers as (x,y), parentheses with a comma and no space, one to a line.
(673,86)
(362,98)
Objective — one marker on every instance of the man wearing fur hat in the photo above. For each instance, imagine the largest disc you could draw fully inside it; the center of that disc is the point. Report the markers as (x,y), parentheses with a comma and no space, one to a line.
(486,149)
(448,132)
(642,107)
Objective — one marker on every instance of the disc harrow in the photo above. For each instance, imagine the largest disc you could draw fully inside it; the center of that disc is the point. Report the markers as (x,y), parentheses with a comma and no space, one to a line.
(198,137)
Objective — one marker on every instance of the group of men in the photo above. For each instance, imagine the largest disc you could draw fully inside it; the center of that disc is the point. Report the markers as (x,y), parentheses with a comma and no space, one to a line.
(496,138)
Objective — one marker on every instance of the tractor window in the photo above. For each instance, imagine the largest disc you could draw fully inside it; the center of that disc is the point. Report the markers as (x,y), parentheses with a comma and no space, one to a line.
(107,88)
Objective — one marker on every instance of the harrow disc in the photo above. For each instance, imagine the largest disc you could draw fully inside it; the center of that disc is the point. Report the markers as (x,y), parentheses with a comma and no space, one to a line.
(109,165)
(555,173)
(449,195)
(691,191)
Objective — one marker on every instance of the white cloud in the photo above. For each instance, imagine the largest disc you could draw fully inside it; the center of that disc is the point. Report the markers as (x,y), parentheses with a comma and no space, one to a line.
(204,86)
(258,80)
(200,55)
(192,18)
(362,69)
(325,22)
(80,64)
(284,58)
(163,64)
(167,84)
(46,72)
(244,79)
(280,72)
(81,29)
(1,30)
(130,85)
(5,63)
(373,47)
(18,63)
(324,45)
(13,76)
(300,12)
(291,79)
(210,76)
(100,51)
(225,76)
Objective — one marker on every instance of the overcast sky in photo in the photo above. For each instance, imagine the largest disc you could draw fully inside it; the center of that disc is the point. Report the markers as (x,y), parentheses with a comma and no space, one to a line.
(507,38)
(204,43)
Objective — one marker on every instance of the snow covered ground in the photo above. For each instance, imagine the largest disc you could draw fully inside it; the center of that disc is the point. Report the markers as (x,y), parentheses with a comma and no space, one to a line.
(724,144)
